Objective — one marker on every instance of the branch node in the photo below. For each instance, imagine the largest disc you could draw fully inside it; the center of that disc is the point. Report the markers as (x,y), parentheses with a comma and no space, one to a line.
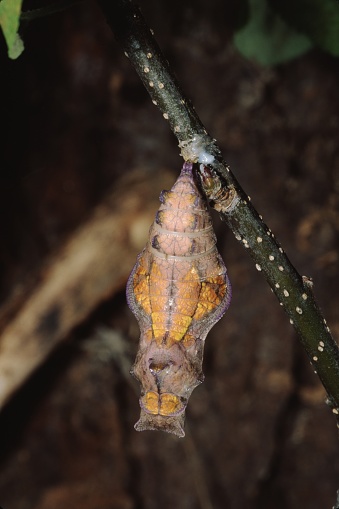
(199,149)
(307,282)
(222,198)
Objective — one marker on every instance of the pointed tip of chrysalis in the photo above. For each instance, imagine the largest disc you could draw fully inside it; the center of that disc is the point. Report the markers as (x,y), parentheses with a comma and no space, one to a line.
(172,424)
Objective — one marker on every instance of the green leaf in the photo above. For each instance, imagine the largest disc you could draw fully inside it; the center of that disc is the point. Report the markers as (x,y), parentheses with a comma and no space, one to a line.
(17,48)
(318,19)
(9,22)
(267,38)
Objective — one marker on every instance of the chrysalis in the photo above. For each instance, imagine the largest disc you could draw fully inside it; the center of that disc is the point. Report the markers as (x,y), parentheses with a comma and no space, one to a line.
(177,290)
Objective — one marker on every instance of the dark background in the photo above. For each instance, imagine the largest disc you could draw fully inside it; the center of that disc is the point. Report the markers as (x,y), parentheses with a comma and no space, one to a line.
(75,118)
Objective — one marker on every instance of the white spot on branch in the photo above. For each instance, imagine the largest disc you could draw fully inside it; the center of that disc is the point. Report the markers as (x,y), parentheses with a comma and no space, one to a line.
(205,157)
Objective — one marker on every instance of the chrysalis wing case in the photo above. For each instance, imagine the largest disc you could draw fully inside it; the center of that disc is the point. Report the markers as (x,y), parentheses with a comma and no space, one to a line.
(177,290)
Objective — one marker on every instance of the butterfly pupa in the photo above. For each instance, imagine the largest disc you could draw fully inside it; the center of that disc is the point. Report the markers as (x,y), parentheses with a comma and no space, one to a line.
(178,290)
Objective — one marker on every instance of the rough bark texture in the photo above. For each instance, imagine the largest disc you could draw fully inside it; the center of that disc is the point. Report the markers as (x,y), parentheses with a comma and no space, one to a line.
(77,118)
